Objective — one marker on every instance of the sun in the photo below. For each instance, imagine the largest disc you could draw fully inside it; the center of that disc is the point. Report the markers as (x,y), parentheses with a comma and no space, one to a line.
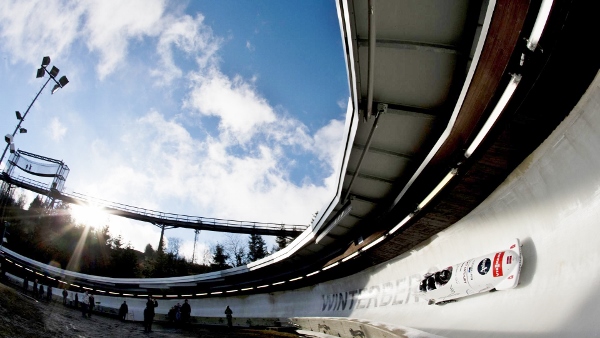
(89,215)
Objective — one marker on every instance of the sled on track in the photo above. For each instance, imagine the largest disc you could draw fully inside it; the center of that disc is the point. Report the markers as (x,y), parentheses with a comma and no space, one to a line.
(493,272)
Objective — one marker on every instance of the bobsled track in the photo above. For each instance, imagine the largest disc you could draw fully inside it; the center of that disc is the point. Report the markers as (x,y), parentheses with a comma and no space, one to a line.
(355,272)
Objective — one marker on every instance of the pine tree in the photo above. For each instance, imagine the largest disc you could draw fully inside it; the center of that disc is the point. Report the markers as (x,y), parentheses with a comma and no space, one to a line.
(257,248)
(220,257)
(149,251)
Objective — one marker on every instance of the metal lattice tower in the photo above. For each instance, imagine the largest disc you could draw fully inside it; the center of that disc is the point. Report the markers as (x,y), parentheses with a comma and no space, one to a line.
(196,232)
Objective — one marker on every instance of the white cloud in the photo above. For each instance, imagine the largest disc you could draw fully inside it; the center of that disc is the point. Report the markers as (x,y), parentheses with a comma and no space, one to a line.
(328,142)
(234,101)
(57,129)
(32,29)
(111,24)
(187,35)
(250,46)
(160,166)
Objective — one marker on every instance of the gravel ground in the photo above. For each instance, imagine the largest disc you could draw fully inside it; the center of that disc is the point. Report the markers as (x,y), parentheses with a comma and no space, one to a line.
(22,316)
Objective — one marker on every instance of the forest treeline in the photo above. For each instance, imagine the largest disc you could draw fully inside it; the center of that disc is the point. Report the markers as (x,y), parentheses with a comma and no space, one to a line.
(47,233)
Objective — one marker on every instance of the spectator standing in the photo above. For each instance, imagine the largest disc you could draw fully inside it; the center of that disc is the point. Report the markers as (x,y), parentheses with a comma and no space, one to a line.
(35,289)
(177,313)
(186,309)
(84,303)
(123,311)
(65,294)
(228,314)
(171,314)
(149,314)
(76,299)
(49,293)
(41,294)
(91,305)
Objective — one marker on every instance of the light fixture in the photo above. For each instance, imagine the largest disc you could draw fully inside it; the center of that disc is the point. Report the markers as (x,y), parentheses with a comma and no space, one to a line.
(508,92)
(61,83)
(40,72)
(22,130)
(278,283)
(246,289)
(56,87)
(12,148)
(216,293)
(201,294)
(230,291)
(8,138)
(18,114)
(330,266)
(399,225)
(45,61)
(372,244)
(295,279)
(313,273)
(438,188)
(262,286)
(540,23)
(350,257)
(54,71)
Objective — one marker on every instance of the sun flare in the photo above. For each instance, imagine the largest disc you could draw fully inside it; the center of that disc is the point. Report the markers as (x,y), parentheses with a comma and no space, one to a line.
(89,215)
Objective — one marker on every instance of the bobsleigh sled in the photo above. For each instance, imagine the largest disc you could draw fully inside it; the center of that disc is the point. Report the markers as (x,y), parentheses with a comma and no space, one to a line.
(495,271)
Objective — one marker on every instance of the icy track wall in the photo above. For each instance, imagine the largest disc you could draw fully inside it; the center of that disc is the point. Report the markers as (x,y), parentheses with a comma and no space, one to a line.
(551,202)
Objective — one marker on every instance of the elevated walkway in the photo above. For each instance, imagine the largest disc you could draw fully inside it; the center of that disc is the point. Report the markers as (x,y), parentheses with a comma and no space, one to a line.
(158,217)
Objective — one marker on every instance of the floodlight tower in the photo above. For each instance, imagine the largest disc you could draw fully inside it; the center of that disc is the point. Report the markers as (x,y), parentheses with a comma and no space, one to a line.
(40,73)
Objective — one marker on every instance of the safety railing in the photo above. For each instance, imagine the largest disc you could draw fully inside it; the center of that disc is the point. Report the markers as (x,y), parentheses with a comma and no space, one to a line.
(158,217)
(171,217)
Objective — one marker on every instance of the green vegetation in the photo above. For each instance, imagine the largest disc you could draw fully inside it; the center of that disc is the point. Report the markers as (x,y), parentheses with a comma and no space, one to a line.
(257,248)
(48,234)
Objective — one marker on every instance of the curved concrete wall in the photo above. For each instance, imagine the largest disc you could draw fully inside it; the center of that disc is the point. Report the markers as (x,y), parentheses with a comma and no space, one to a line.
(552,203)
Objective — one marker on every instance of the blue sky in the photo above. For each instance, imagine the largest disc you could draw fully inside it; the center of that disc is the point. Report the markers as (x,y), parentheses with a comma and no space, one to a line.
(227,109)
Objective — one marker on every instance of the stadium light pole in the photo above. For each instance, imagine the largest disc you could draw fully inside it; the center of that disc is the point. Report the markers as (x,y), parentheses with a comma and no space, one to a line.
(40,73)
